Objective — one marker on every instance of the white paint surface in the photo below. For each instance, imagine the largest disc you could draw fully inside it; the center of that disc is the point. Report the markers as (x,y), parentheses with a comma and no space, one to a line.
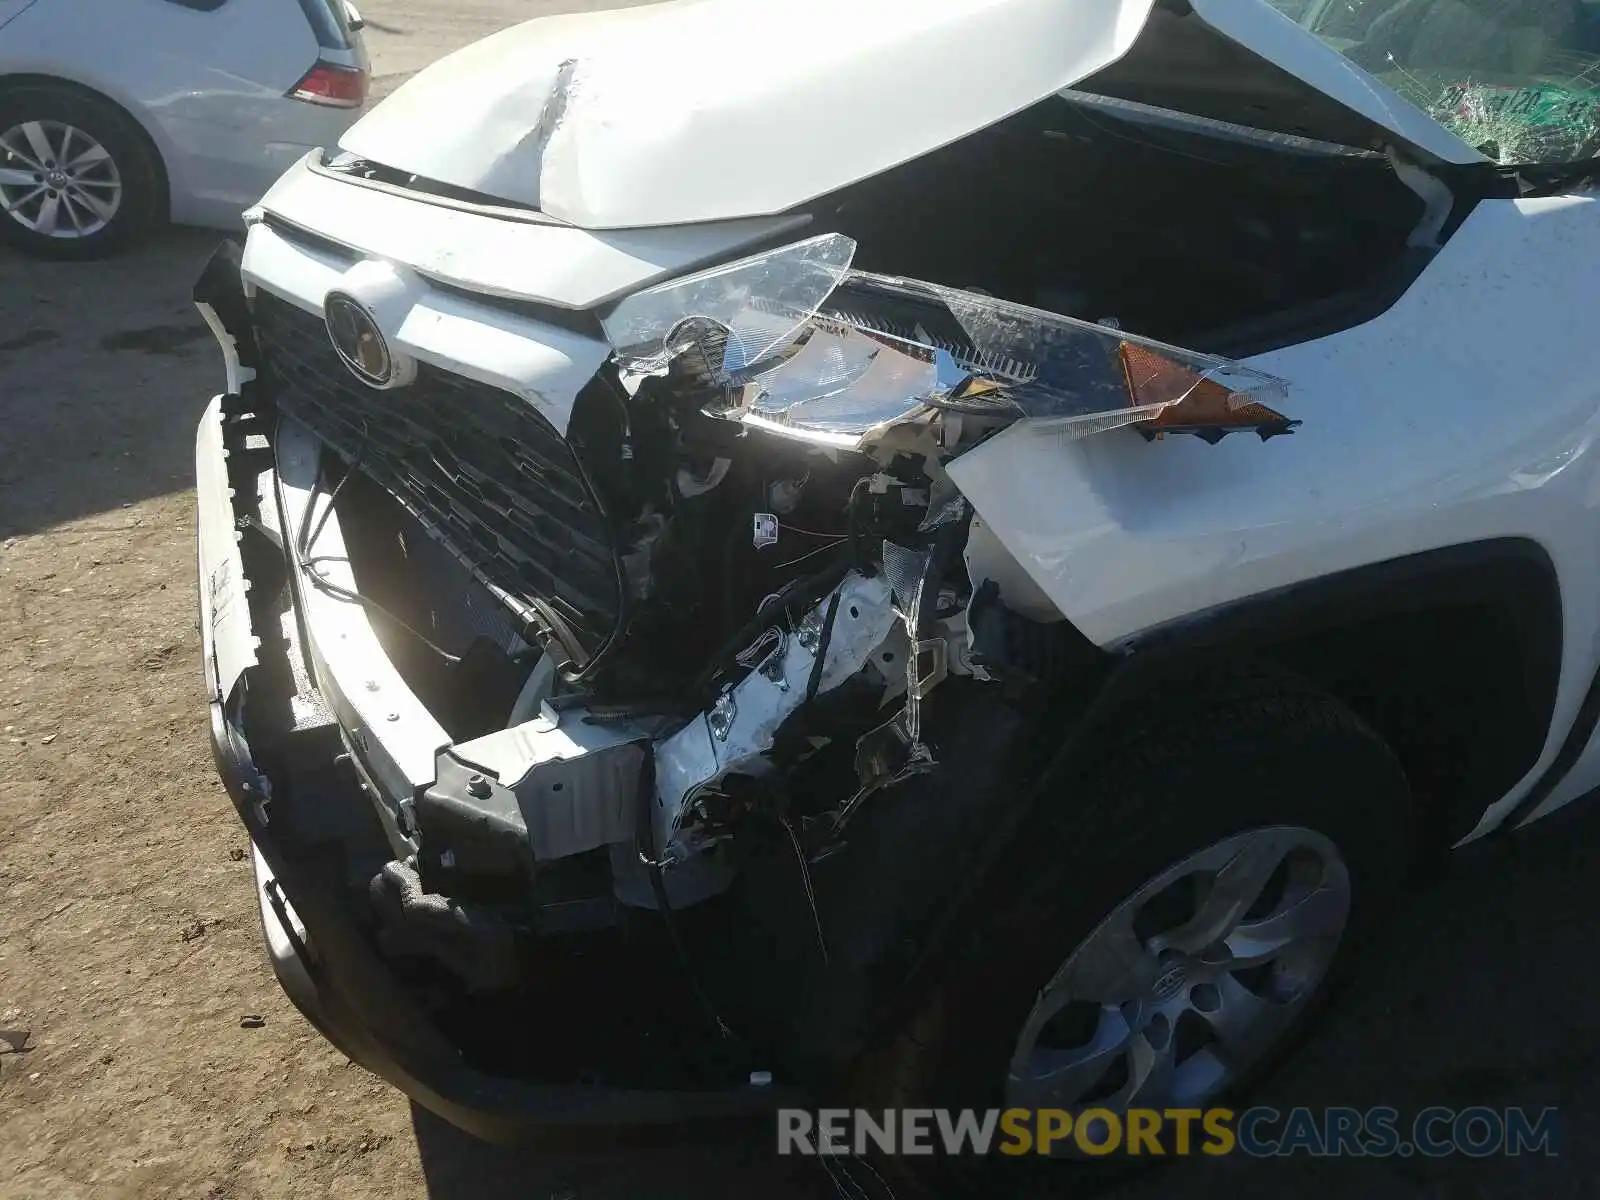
(714,109)
(1466,412)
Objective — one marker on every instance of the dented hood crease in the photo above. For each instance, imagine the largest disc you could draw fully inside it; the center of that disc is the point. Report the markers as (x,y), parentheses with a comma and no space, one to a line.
(705,110)
(713,110)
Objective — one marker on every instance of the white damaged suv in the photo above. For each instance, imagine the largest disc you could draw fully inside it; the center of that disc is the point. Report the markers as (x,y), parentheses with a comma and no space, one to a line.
(941,552)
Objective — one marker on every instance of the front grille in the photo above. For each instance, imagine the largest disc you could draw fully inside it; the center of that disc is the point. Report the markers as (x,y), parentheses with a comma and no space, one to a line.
(477,466)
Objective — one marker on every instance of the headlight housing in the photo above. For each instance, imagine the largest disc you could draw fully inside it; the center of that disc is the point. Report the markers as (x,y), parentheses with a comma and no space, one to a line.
(796,341)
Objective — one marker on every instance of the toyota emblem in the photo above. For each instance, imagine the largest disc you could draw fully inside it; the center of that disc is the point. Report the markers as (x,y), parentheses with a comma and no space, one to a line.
(358,340)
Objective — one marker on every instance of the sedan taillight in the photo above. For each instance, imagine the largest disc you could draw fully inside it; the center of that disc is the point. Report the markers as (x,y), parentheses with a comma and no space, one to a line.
(335,86)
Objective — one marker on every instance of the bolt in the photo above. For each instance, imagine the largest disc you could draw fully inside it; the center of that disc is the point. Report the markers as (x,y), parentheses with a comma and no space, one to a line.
(478,786)
(372,685)
(394,716)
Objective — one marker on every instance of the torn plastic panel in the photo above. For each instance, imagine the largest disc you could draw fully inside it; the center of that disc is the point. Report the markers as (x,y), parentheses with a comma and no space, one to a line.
(732,737)
(746,309)
(795,341)
(555,786)
(895,750)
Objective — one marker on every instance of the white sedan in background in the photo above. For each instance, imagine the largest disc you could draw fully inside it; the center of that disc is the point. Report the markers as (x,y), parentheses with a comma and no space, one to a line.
(114,117)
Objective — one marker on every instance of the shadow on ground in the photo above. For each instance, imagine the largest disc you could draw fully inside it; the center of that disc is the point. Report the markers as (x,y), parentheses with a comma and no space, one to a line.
(737,1160)
(1479,994)
(104,369)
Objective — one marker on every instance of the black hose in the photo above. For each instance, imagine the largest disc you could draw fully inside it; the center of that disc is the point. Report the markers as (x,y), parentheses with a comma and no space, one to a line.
(658,886)
(306,536)
(814,680)
(803,589)
(619,569)
(947,542)
(858,551)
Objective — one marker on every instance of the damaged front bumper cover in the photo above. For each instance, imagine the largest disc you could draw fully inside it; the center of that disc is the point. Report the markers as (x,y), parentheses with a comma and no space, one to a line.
(322,957)
(841,360)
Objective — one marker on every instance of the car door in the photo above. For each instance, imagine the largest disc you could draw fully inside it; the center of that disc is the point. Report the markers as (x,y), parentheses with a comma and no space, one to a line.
(209,79)
(222,82)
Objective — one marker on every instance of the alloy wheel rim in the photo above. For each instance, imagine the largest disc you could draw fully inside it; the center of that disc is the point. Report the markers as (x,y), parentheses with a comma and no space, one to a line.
(1190,982)
(58,181)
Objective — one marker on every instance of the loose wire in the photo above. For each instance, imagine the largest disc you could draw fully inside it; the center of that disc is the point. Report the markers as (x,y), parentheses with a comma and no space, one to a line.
(307,537)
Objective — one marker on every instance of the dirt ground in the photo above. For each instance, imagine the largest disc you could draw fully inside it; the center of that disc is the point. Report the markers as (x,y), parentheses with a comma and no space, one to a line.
(161,1060)
(130,949)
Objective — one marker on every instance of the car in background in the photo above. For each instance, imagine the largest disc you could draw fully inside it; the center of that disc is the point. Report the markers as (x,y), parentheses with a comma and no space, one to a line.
(115,117)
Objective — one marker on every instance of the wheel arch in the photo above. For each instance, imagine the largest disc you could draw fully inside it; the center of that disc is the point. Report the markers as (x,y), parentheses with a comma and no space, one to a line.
(147,129)
(1453,656)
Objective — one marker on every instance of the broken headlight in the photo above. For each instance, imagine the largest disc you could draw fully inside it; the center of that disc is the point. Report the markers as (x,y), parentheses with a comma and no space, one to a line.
(795,340)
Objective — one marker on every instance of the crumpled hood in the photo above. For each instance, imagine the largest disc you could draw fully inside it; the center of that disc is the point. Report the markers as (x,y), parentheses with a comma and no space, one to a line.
(704,110)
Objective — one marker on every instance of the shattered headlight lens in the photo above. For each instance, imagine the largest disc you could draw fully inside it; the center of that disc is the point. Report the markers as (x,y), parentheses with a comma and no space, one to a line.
(795,340)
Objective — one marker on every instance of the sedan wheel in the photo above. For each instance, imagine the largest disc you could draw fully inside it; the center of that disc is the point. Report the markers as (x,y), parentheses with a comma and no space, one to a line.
(78,178)
(58,181)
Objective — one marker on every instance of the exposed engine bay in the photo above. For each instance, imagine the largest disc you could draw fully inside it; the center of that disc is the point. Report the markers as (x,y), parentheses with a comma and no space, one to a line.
(731,597)
(734,606)
(795,575)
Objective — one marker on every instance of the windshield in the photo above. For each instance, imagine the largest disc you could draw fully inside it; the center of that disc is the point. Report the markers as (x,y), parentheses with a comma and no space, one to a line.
(1517,79)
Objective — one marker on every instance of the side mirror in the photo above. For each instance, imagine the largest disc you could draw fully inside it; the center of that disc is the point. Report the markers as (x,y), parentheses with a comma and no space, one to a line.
(353,17)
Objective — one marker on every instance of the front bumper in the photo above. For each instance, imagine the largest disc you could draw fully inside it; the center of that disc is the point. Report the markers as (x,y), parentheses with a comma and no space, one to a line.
(324,960)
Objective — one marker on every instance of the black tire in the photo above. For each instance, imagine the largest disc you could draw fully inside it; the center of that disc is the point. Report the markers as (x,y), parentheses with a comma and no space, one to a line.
(142,201)
(1185,768)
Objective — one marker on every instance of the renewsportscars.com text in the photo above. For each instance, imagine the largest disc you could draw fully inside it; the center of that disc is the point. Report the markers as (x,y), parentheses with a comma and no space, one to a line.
(1478,1132)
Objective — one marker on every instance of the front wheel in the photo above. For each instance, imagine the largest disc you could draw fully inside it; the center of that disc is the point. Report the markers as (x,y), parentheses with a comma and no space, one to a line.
(1192,980)
(1176,914)
(77,177)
